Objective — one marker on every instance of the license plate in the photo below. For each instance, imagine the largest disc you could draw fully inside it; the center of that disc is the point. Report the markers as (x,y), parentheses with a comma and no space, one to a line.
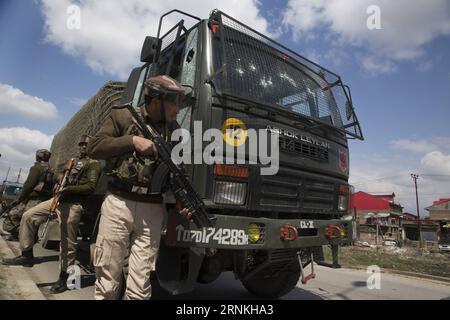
(212,236)
(306,224)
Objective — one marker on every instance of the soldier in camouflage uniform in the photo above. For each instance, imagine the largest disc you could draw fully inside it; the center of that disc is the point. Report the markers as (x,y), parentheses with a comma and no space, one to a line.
(37,188)
(131,218)
(82,182)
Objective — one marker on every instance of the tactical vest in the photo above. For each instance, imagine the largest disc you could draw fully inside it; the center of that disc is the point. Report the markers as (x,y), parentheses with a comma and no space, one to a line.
(136,170)
(77,171)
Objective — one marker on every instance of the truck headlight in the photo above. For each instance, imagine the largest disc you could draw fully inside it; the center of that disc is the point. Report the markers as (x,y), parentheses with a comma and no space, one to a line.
(230,192)
(342,203)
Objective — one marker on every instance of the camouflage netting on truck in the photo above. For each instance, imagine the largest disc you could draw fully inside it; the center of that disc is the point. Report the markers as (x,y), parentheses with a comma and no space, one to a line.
(87,120)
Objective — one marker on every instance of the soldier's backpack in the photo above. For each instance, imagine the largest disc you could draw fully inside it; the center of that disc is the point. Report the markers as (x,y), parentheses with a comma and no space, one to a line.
(46,182)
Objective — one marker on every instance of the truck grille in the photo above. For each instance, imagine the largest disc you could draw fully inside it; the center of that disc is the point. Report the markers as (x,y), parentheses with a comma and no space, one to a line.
(288,191)
(303,149)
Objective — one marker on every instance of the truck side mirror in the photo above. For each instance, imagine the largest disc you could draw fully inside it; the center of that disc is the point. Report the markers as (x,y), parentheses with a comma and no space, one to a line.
(150,49)
(128,93)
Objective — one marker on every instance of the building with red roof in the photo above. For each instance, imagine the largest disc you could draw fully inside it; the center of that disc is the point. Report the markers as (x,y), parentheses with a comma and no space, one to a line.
(440,213)
(378,215)
(365,203)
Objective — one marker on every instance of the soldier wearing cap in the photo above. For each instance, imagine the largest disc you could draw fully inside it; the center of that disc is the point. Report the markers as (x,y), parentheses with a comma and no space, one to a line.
(37,188)
(131,219)
(81,183)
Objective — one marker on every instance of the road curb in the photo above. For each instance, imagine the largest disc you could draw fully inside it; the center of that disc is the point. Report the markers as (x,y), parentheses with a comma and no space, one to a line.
(21,278)
(442,280)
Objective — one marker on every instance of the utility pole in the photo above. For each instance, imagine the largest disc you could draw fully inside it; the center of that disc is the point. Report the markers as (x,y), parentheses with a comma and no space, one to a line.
(415,177)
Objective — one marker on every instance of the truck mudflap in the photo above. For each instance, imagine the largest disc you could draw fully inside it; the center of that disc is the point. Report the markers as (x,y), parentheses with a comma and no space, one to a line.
(178,268)
(247,233)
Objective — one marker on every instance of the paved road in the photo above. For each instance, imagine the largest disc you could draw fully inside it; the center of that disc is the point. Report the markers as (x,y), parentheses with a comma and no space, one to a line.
(335,284)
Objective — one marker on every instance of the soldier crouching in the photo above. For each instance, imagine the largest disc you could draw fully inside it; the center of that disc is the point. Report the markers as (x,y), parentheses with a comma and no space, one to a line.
(37,188)
(82,180)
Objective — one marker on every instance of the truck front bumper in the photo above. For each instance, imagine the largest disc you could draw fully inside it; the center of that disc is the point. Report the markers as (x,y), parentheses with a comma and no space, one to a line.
(247,233)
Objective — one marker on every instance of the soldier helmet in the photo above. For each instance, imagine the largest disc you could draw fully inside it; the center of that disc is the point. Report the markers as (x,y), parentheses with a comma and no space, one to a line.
(164,87)
(84,139)
(43,155)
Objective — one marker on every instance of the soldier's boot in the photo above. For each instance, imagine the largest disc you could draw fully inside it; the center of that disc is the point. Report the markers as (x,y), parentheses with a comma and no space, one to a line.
(26,260)
(60,285)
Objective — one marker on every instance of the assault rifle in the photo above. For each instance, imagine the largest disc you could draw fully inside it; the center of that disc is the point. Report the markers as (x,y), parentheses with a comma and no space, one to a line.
(59,186)
(180,185)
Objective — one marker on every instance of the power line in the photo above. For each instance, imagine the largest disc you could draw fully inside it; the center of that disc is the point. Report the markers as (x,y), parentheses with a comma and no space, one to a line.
(435,175)
(398,176)
(435,194)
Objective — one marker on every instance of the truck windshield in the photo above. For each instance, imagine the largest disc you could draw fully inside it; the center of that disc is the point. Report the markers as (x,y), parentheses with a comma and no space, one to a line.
(250,65)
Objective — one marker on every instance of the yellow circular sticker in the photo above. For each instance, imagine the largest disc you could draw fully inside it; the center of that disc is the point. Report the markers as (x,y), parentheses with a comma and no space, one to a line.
(234,132)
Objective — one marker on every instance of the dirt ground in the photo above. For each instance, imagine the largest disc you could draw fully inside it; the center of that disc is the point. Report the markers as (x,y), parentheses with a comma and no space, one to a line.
(394,258)
(8,289)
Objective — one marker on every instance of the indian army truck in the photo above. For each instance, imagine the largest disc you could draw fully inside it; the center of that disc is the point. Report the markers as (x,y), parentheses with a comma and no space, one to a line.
(265,227)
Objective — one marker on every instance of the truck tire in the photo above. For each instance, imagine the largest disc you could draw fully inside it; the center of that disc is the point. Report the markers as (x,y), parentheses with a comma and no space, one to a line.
(276,286)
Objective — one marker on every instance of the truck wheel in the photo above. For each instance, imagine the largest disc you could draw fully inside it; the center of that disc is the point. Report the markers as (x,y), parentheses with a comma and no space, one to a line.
(275,286)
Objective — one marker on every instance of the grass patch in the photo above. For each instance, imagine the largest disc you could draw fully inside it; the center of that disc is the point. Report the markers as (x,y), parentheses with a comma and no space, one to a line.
(401,259)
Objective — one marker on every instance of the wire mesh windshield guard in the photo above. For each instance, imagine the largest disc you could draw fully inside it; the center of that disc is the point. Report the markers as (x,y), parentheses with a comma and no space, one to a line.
(251,65)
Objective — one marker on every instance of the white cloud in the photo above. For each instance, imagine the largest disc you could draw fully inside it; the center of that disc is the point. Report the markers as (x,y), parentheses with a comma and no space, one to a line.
(18,148)
(407,26)
(304,15)
(15,101)
(77,102)
(314,56)
(419,146)
(429,63)
(425,66)
(436,162)
(423,145)
(376,66)
(112,31)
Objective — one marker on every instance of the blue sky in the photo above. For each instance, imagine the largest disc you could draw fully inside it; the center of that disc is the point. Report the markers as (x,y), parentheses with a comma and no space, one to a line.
(399,76)
(38,68)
